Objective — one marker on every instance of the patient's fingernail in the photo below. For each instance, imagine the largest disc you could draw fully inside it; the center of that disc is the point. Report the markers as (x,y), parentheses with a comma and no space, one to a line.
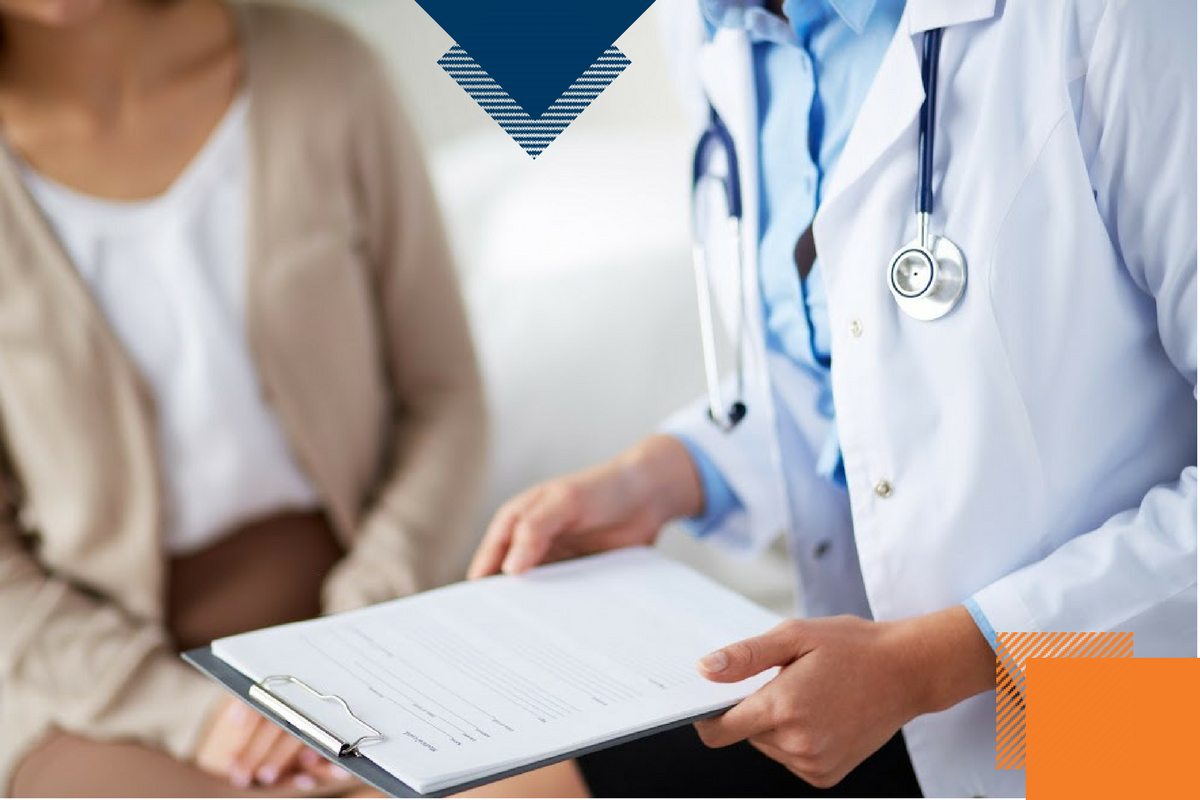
(267,775)
(240,712)
(714,662)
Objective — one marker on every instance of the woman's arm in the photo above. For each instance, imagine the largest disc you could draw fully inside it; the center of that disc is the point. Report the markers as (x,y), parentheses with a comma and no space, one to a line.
(417,531)
(99,670)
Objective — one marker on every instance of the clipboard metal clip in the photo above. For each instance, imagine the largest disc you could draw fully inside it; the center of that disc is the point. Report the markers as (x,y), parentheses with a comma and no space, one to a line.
(327,739)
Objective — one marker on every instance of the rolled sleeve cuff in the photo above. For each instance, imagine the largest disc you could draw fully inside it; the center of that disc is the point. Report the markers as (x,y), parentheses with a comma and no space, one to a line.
(719,498)
(981,620)
(1000,604)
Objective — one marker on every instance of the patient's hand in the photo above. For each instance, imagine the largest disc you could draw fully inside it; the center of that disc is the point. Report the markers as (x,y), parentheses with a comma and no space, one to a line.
(243,746)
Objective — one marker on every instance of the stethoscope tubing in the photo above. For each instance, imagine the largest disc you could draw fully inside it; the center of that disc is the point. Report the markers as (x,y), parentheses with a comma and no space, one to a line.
(931,47)
(718,134)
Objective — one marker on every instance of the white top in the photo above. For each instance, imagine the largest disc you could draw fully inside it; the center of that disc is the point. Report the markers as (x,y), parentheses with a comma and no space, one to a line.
(169,274)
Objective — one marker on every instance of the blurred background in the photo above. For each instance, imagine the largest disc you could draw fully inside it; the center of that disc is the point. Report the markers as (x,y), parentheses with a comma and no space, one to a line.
(576,267)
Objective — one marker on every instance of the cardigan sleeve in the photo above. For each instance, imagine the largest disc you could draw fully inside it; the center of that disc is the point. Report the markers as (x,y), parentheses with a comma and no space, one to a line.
(99,671)
(417,532)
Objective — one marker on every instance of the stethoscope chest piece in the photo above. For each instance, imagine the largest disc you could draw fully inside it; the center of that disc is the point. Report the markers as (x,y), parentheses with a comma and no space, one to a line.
(928,278)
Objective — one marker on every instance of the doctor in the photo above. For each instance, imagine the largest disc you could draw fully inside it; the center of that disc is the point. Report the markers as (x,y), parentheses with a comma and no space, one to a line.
(1002,442)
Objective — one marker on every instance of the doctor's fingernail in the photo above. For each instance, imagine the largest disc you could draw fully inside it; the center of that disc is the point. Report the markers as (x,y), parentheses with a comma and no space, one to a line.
(338,774)
(305,782)
(267,775)
(240,778)
(714,662)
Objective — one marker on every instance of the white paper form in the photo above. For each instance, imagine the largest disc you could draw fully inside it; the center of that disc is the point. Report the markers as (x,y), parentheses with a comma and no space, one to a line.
(476,678)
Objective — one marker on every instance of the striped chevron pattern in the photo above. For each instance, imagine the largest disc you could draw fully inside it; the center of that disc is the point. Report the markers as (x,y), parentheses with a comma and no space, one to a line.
(1011,651)
(534,135)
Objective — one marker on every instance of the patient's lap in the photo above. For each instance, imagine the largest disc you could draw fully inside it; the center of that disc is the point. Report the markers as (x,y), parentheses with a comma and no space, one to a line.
(267,573)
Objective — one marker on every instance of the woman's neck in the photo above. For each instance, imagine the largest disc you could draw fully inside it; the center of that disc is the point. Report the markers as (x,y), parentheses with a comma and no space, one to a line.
(127,49)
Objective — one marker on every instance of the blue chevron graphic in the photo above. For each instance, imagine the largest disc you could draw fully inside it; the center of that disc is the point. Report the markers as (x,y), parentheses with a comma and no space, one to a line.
(533,135)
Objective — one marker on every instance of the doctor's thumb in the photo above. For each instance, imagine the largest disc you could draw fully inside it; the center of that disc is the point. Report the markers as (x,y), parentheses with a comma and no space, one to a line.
(740,660)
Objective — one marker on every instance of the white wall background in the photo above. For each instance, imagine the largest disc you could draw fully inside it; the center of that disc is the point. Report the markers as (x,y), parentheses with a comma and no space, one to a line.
(576,267)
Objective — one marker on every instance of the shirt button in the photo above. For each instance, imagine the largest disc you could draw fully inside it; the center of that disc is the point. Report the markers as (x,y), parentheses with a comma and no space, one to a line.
(883,489)
(821,549)
(855,328)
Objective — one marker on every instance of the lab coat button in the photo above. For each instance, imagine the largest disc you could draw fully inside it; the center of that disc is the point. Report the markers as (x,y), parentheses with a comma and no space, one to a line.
(821,549)
(855,328)
(883,489)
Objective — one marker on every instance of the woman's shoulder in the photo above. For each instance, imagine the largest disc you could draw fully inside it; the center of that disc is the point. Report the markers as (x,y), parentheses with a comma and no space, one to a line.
(305,47)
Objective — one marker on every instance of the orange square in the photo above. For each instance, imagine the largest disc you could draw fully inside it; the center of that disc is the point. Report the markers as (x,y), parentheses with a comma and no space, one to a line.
(1111,727)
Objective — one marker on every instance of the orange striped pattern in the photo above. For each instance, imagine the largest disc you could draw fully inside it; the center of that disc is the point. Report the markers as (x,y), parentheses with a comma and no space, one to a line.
(1011,651)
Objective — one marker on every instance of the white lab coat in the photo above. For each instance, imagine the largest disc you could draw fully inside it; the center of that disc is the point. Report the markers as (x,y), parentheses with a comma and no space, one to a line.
(1040,441)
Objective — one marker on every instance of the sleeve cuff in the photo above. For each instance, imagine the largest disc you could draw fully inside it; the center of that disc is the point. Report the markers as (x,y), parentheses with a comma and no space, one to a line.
(981,620)
(1012,666)
(719,498)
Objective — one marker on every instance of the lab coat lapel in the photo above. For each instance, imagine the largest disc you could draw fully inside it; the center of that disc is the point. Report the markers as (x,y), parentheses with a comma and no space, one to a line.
(924,15)
(888,112)
(726,75)
(727,78)
(726,72)
(891,105)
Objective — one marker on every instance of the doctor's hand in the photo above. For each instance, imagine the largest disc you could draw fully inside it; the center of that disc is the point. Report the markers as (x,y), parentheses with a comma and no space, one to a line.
(845,686)
(619,503)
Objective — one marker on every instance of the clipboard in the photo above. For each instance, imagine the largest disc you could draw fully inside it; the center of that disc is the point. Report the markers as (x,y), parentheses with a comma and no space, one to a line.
(349,754)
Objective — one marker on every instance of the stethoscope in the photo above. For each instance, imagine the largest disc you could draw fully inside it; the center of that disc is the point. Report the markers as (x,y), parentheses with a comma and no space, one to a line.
(926,277)
(717,139)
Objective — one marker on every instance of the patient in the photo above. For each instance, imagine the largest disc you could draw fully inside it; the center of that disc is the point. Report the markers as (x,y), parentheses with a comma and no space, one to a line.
(236,383)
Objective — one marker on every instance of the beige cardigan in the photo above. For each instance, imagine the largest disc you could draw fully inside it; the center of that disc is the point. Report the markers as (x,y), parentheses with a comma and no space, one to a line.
(359,337)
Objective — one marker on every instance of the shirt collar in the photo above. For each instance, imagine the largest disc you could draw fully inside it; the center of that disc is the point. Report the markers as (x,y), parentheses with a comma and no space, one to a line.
(854,13)
(749,14)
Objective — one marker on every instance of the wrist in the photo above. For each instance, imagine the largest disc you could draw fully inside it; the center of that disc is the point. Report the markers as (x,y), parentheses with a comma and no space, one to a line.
(663,479)
(944,659)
